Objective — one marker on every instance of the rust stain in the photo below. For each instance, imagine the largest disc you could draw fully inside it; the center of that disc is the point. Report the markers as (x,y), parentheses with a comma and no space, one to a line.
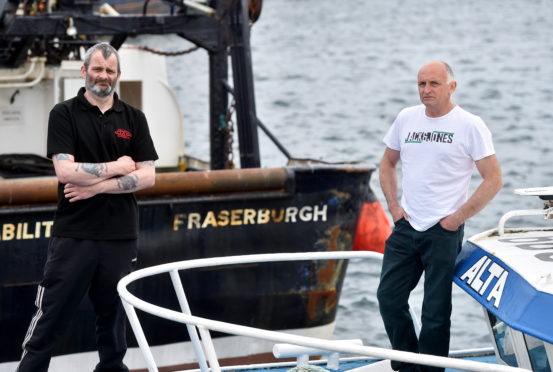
(324,299)
(327,272)
(338,240)
(321,301)
(341,196)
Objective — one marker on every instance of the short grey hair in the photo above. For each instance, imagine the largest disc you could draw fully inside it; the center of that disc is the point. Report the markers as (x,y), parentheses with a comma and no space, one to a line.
(106,49)
(449,71)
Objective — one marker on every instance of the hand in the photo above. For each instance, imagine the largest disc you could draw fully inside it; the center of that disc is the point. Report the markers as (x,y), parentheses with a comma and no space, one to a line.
(125,165)
(75,193)
(451,222)
(398,213)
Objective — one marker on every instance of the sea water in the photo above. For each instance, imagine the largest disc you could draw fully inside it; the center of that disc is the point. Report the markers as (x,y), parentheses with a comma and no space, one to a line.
(330,77)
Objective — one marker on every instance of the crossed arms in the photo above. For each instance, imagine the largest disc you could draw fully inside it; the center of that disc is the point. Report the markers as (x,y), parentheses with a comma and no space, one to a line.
(84,180)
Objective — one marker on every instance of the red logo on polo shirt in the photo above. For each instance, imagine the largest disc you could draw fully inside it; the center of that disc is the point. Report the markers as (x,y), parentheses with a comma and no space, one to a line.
(122,133)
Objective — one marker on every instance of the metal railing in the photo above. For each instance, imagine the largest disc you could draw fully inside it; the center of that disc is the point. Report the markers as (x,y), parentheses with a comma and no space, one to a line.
(522,212)
(199,328)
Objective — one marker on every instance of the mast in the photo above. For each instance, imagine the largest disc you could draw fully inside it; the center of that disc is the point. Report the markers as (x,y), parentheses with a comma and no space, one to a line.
(243,85)
(219,131)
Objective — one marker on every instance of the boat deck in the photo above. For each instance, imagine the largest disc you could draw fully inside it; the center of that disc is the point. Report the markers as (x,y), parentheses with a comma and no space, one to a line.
(286,345)
(345,366)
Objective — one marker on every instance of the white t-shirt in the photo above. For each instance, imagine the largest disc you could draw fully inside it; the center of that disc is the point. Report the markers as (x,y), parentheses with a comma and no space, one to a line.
(437,156)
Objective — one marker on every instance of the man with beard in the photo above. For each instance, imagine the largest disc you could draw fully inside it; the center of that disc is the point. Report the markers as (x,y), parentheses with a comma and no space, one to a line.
(102,152)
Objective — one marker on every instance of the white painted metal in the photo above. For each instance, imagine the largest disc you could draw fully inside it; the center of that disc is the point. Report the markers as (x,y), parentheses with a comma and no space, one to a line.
(185,308)
(29,68)
(107,9)
(202,8)
(521,349)
(293,351)
(520,212)
(209,349)
(549,352)
(29,84)
(159,103)
(535,191)
(302,353)
(302,360)
(383,366)
(140,338)
(490,332)
(273,336)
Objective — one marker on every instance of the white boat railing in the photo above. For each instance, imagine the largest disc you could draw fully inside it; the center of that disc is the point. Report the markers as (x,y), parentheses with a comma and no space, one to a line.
(543,192)
(547,213)
(202,342)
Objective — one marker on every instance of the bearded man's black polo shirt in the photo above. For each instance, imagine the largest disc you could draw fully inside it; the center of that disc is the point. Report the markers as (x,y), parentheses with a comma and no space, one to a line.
(78,128)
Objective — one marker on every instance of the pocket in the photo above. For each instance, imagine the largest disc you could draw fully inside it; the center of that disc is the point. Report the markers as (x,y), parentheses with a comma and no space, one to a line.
(444,229)
(459,229)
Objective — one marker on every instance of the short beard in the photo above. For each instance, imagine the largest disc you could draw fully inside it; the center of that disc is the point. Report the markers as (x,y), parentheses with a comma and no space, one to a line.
(96,90)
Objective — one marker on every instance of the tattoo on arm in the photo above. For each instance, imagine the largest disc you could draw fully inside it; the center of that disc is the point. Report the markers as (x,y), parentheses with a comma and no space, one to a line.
(93,168)
(151,163)
(62,157)
(128,182)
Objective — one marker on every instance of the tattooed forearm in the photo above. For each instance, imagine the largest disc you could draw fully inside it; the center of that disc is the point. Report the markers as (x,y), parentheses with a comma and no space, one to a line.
(96,169)
(129,182)
(150,163)
(62,157)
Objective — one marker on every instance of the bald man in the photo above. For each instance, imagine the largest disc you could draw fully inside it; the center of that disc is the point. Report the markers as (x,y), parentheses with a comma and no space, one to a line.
(439,145)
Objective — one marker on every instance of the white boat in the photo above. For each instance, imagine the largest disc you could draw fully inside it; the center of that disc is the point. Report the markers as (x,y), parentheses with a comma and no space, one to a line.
(507,270)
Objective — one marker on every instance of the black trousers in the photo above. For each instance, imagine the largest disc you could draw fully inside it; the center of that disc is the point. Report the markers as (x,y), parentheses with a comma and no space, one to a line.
(74,268)
(407,255)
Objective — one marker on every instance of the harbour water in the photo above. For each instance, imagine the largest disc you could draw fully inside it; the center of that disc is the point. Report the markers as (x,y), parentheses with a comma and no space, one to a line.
(330,77)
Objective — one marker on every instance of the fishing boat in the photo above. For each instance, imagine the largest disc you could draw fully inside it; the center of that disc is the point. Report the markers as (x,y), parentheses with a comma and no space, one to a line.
(192,212)
(507,270)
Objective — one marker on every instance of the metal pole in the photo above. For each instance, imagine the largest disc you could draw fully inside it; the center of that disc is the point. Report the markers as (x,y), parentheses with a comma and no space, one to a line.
(192,331)
(140,337)
(218,103)
(263,127)
(243,85)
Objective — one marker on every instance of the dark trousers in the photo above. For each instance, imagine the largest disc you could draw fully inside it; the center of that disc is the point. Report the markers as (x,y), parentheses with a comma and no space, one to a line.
(407,255)
(73,268)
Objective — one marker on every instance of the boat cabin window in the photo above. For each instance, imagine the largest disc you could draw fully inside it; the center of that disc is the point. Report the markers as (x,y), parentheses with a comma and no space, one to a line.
(537,353)
(531,349)
(503,340)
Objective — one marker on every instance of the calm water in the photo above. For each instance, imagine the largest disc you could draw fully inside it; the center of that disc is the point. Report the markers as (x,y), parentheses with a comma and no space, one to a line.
(331,75)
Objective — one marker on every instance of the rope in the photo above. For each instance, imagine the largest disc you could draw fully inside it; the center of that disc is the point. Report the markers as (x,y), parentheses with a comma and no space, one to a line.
(163,53)
(229,123)
(308,368)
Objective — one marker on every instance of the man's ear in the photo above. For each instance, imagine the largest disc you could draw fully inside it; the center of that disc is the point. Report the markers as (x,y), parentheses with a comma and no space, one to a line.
(453,86)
